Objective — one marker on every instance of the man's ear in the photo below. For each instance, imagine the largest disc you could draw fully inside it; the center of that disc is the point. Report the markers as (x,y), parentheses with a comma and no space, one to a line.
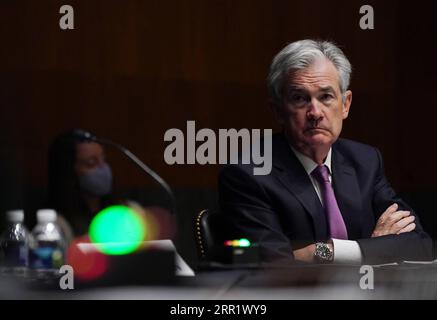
(278,111)
(347,101)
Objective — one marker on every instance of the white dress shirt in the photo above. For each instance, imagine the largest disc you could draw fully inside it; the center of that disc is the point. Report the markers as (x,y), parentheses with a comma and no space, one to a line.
(345,251)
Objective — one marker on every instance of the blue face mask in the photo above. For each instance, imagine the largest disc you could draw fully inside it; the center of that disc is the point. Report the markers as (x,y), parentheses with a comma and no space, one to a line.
(98,182)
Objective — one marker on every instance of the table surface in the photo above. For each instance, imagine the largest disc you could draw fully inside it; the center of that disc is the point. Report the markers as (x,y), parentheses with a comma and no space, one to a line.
(405,281)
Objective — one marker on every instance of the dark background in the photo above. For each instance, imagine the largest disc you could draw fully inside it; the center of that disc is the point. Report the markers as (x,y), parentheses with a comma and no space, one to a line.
(132,69)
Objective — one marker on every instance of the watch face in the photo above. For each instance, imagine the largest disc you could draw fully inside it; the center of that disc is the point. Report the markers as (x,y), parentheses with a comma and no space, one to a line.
(323,252)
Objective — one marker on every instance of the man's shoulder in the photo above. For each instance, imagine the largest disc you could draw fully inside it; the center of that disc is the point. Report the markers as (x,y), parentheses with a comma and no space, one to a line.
(347,144)
(278,145)
(356,151)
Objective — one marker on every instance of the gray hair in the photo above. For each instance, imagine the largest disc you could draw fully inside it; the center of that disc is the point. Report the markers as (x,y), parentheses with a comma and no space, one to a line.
(300,55)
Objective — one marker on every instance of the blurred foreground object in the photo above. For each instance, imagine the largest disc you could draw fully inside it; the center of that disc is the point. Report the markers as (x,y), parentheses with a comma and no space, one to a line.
(14,244)
(48,248)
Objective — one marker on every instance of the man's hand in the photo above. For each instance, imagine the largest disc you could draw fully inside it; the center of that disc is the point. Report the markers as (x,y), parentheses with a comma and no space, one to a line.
(305,254)
(394,222)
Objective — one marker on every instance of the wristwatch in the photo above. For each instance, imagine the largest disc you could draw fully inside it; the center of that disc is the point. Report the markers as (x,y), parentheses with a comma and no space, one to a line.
(323,252)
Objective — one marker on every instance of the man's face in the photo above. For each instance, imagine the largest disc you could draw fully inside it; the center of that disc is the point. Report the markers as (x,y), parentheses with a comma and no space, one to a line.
(313,109)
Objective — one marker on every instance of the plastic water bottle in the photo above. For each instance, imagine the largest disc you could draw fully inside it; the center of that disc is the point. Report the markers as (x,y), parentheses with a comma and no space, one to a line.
(14,244)
(47,249)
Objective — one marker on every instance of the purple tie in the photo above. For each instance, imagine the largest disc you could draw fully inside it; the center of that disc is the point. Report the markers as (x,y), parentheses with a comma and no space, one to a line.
(337,228)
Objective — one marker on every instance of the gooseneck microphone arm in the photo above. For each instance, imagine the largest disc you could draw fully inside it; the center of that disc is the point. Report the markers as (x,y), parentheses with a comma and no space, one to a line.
(90,137)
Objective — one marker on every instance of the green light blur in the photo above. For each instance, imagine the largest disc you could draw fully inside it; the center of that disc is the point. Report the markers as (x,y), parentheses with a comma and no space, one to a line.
(117,230)
(244,242)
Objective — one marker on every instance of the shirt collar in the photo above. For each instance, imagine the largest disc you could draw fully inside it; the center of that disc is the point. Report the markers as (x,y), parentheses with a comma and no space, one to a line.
(309,164)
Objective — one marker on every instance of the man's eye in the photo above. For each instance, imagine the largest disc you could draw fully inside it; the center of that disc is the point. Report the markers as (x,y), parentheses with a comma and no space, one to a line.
(298,98)
(326,97)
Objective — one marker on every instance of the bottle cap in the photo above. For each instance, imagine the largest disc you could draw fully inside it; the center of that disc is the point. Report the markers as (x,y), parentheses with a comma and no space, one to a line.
(15,215)
(46,215)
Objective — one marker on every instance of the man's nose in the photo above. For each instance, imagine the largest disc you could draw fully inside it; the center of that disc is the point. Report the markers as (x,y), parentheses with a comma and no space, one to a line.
(314,111)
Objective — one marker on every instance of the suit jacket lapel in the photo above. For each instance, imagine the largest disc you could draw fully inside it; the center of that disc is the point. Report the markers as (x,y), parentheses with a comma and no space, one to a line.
(347,193)
(293,176)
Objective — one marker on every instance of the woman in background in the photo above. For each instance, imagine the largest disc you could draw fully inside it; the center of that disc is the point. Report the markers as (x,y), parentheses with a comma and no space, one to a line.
(80,185)
(80,180)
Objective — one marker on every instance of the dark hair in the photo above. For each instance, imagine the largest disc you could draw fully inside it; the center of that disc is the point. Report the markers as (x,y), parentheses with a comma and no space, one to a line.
(63,185)
(64,193)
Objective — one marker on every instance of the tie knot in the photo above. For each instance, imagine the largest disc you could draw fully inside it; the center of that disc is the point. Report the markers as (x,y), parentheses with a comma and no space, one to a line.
(321,173)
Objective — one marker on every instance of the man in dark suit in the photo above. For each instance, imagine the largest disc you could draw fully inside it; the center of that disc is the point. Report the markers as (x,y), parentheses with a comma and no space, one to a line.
(326,199)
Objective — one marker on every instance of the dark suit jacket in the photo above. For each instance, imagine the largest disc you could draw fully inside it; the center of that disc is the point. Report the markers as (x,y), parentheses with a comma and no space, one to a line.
(282,212)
